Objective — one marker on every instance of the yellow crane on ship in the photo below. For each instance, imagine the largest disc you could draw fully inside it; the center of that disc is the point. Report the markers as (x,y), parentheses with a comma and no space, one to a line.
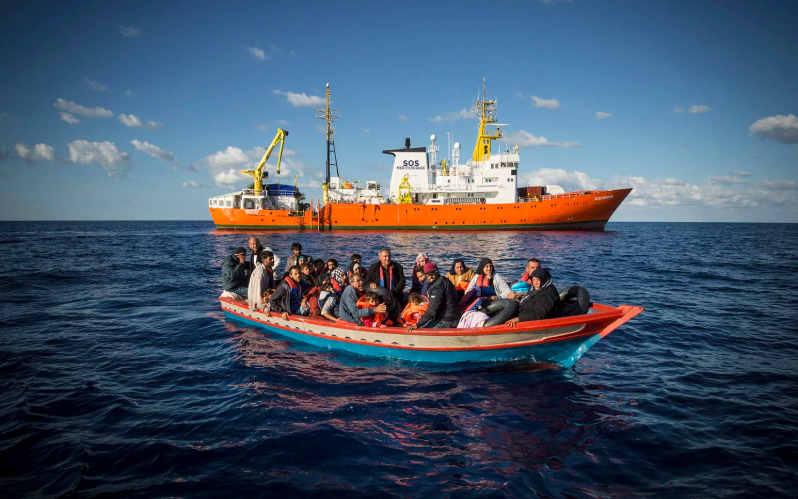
(259,173)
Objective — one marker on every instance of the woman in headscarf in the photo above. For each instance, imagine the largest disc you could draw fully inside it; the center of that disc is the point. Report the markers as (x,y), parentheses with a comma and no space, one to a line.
(541,302)
(421,260)
(338,279)
(460,276)
(489,281)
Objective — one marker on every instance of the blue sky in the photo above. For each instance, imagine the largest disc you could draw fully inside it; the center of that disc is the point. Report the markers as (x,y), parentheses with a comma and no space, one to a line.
(143,110)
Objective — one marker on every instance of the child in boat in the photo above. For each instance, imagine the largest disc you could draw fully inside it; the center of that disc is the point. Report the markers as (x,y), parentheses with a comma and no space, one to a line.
(416,306)
(371,300)
(265,295)
(423,283)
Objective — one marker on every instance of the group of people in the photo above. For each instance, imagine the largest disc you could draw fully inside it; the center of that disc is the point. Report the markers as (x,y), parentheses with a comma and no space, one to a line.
(375,296)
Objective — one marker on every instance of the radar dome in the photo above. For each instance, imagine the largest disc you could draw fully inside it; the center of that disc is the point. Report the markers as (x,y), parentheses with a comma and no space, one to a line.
(457,145)
(432,137)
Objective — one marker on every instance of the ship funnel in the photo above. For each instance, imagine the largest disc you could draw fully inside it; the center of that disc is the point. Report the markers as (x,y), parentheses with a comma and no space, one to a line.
(407,143)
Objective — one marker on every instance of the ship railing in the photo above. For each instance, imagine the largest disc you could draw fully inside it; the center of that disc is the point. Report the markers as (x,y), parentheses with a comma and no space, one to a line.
(564,195)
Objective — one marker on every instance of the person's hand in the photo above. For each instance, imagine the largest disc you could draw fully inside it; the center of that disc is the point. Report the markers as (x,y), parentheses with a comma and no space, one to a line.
(304,303)
(373,285)
(284,315)
(410,328)
(512,322)
(511,295)
(381,308)
(383,325)
(241,258)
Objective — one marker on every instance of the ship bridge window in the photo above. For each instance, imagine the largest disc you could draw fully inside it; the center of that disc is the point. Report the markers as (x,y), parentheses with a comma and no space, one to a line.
(250,204)
(215,202)
(228,203)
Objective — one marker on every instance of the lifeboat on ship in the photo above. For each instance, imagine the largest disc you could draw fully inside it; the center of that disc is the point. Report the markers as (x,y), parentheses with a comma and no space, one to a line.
(561,341)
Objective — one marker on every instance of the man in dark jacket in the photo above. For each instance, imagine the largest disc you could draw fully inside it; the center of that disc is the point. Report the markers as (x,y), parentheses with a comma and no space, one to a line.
(235,272)
(387,274)
(443,310)
(541,302)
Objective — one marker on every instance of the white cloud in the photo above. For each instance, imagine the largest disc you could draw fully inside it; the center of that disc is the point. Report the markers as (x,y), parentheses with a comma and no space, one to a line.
(128,92)
(301,100)
(258,53)
(153,150)
(40,152)
(68,118)
(402,117)
(723,180)
(282,122)
(192,185)
(95,85)
(778,128)
(545,103)
(71,107)
(230,157)
(228,178)
(777,185)
(524,139)
(739,173)
(699,109)
(678,110)
(463,114)
(133,121)
(130,31)
(104,154)
(5,117)
(602,115)
(262,127)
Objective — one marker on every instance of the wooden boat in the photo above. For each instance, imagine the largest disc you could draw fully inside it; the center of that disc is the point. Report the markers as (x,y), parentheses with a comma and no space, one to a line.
(557,341)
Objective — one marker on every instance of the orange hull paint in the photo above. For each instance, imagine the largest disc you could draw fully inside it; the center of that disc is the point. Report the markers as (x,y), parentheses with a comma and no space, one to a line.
(570,211)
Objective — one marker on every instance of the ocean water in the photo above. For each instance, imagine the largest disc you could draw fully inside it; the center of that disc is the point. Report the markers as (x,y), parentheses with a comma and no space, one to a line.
(120,377)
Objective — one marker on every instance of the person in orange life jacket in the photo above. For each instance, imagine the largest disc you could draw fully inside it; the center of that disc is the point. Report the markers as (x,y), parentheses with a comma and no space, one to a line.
(541,302)
(348,309)
(416,306)
(388,274)
(531,265)
(287,298)
(488,278)
(296,250)
(443,309)
(418,283)
(370,301)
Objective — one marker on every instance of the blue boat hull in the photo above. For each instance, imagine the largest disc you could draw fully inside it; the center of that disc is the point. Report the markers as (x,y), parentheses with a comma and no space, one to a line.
(564,352)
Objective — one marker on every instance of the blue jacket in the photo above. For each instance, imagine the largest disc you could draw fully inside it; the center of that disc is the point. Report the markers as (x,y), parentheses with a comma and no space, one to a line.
(234,274)
(348,309)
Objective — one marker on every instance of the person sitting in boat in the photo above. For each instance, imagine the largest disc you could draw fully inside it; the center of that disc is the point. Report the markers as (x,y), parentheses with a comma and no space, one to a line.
(387,274)
(488,282)
(287,298)
(264,298)
(338,279)
(418,283)
(370,300)
(356,269)
(541,302)
(255,246)
(260,279)
(531,265)
(235,272)
(349,310)
(296,250)
(319,267)
(416,306)
(329,299)
(443,311)
(421,278)
(460,276)
(307,275)
(329,266)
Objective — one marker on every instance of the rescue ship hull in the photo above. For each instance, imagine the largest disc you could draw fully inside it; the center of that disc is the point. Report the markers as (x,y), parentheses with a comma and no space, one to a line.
(589,210)
(556,341)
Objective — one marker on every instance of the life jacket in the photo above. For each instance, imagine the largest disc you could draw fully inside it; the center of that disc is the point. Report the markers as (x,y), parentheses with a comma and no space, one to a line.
(312,296)
(336,286)
(481,292)
(525,278)
(461,286)
(412,313)
(379,318)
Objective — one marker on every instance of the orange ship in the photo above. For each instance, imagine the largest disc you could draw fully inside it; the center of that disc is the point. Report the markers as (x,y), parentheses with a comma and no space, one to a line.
(424,194)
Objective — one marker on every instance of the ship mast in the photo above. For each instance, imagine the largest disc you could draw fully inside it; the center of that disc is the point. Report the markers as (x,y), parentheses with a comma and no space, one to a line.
(328,116)
(486,112)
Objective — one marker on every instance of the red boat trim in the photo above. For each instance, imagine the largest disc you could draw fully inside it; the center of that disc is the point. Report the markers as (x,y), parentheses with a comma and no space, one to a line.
(426,349)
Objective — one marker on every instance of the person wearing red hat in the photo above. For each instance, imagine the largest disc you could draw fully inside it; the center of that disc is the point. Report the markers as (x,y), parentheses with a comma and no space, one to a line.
(443,310)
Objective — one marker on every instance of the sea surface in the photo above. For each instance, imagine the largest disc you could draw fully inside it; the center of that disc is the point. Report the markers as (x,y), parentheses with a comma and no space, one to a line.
(120,376)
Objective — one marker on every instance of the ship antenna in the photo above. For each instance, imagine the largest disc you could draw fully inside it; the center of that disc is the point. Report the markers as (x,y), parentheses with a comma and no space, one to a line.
(328,116)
